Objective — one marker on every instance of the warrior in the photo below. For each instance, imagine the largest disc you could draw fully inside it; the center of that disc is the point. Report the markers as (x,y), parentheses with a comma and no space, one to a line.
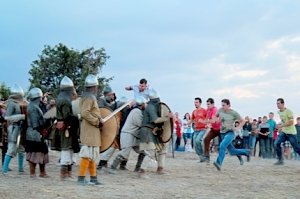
(130,136)
(67,127)
(15,116)
(151,130)
(89,131)
(108,100)
(36,147)
(3,132)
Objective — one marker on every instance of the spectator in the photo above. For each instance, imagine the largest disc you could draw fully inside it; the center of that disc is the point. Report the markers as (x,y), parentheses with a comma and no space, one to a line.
(272,124)
(187,132)
(178,126)
(246,133)
(263,132)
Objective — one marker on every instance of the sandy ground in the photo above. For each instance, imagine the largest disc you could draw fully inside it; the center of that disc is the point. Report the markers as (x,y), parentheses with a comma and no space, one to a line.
(187,178)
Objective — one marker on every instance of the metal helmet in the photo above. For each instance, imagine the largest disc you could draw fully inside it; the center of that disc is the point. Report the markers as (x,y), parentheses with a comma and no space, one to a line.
(140,100)
(153,94)
(34,93)
(91,80)
(66,82)
(17,90)
(107,90)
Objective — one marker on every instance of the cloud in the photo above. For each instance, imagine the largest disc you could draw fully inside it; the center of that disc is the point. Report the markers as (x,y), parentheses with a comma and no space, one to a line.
(237,92)
(246,74)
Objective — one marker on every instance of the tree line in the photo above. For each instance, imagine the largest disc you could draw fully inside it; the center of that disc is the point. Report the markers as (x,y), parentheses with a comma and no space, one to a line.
(55,62)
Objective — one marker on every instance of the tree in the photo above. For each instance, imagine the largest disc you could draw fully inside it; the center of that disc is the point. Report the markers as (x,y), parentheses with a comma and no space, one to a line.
(4,91)
(54,63)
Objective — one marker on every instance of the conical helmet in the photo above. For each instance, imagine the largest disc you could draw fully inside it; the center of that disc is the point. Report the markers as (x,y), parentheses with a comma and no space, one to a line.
(140,100)
(153,94)
(34,93)
(91,80)
(66,82)
(17,90)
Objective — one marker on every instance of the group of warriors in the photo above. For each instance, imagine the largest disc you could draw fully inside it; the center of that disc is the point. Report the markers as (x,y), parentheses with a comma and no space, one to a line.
(95,127)
(88,126)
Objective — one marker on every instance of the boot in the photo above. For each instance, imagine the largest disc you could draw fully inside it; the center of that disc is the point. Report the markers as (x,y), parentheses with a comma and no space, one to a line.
(102,163)
(70,171)
(32,169)
(43,173)
(81,180)
(142,174)
(64,172)
(21,162)
(115,164)
(160,171)
(139,162)
(7,160)
(94,181)
(123,165)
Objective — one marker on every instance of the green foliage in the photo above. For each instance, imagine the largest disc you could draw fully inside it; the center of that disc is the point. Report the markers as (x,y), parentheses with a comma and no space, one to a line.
(4,91)
(54,63)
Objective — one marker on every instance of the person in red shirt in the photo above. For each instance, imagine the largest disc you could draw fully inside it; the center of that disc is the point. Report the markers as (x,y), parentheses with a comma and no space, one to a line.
(199,121)
(178,126)
(213,128)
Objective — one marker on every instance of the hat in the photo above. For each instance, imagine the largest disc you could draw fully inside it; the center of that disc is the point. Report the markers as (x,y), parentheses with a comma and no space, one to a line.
(66,82)
(34,93)
(17,90)
(91,80)
(107,90)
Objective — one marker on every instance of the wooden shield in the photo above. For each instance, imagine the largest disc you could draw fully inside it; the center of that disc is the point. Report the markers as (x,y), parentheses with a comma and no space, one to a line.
(109,129)
(168,125)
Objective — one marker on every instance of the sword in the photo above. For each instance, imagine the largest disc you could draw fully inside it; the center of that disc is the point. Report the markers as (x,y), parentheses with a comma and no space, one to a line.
(115,112)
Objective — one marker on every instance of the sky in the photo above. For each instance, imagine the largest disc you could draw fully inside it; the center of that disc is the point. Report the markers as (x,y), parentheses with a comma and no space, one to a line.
(246,51)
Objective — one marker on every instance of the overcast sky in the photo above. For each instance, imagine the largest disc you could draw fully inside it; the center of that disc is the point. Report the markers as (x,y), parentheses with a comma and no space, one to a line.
(247,51)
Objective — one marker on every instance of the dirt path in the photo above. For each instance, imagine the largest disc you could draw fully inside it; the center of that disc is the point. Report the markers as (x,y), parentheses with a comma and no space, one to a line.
(187,179)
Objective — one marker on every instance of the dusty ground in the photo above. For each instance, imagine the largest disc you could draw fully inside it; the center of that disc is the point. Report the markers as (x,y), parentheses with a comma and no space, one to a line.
(187,179)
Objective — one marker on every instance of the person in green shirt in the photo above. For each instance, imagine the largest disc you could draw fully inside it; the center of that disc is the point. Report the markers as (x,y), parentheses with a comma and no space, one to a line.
(287,131)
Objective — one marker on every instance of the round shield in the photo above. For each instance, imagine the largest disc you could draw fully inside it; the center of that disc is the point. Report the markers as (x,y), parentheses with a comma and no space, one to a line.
(168,125)
(109,129)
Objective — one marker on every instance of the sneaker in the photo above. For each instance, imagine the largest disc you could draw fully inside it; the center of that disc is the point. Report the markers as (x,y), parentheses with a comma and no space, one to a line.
(279,162)
(217,166)
(241,161)
(204,159)
(248,156)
